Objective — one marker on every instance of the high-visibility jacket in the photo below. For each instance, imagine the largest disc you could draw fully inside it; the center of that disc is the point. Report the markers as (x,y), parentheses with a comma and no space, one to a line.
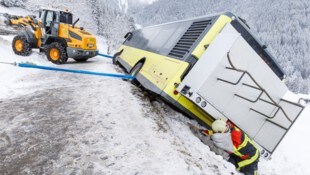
(244,147)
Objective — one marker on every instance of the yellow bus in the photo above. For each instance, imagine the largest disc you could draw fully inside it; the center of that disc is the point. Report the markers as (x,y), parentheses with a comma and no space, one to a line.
(191,64)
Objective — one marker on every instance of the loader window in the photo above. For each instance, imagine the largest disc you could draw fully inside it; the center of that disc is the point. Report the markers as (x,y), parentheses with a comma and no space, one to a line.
(50,17)
(65,18)
(48,21)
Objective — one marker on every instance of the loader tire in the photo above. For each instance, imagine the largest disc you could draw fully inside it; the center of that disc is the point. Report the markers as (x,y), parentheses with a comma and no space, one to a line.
(21,46)
(7,22)
(56,53)
(6,15)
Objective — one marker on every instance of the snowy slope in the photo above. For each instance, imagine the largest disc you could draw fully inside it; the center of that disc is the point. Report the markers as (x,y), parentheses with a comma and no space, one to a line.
(62,123)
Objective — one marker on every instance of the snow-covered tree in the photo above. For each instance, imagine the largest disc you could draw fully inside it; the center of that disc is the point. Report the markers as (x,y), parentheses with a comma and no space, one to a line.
(111,23)
(12,3)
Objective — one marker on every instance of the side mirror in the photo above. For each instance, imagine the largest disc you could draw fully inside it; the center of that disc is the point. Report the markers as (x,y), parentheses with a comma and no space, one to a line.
(128,36)
(75,22)
(40,13)
(244,22)
(264,46)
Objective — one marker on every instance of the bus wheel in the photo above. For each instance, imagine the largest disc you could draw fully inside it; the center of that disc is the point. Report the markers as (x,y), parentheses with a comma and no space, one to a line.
(134,72)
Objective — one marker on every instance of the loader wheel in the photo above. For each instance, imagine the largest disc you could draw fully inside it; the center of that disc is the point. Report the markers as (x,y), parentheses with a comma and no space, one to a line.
(134,71)
(21,46)
(7,22)
(56,53)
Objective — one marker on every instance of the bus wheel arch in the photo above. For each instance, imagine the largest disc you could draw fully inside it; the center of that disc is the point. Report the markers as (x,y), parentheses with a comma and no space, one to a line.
(135,70)
(115,57)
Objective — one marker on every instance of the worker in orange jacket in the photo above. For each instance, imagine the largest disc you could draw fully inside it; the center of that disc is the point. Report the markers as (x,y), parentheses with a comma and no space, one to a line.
(242,150)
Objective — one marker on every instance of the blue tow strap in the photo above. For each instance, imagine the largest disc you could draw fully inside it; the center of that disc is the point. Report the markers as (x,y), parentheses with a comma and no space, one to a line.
(104,55)
(27,65)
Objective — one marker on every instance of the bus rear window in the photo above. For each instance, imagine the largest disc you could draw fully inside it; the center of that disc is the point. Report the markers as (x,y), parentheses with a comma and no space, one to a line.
(263,53)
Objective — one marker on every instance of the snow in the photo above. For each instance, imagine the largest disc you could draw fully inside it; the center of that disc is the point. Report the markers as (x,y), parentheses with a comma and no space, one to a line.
(145,1)
(123,4)
(63,123)
(17,11)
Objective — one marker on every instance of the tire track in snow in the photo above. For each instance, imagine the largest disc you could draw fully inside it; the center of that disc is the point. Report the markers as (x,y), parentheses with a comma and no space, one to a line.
(37,126)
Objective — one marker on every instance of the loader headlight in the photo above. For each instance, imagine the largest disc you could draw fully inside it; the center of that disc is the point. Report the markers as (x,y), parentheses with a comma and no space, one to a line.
(90,45)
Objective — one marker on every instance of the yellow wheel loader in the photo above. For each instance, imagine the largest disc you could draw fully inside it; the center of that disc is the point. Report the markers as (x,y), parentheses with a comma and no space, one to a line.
(56,35)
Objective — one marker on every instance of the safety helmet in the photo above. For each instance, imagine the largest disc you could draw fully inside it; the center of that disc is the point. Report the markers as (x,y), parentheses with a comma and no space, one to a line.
(219,125)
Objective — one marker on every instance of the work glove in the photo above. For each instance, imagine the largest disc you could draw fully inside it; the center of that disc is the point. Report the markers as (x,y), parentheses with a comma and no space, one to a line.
(206,132)
(223,141)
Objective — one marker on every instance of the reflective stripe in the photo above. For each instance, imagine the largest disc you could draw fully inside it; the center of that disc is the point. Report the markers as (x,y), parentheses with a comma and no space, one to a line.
(244,143)
(251,160)
(237,152)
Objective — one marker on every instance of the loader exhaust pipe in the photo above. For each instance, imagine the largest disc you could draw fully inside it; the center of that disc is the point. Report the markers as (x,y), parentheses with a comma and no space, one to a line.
(75,22)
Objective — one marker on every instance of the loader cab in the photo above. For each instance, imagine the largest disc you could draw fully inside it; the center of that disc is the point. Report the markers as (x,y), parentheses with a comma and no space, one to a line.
(51,20)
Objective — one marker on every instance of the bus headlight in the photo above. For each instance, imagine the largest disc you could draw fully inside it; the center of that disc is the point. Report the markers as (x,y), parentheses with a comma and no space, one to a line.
(203,104)
(198,100)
